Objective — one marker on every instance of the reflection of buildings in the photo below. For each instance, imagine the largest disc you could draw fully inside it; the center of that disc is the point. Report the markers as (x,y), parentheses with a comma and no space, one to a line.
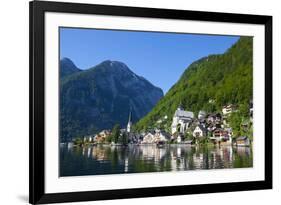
(151,152)
(178,160)
(126,164)
(169,158)
(99,153)
(197,158)
(89,152)
(221,157)
(70,146)
(243,151)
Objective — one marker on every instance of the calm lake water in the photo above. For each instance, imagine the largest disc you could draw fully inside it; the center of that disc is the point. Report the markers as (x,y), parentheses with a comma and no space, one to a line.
(77,161)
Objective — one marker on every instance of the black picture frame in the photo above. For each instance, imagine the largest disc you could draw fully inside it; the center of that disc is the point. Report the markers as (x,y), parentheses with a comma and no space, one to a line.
(37,193)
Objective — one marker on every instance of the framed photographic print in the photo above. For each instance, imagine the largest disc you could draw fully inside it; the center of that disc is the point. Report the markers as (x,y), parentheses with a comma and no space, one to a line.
(140,102)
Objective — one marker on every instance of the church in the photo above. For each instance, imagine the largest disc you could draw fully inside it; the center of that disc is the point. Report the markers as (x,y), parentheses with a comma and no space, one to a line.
(181,120)
(129,125)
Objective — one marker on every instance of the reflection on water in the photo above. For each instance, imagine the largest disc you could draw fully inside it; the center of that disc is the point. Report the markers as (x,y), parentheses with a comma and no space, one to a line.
(77,161)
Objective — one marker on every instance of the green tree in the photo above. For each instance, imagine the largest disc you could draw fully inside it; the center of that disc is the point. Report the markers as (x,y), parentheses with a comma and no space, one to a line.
(188,136)
(78,141)
(115,133)
(244,109)
(124,138)
(235,123)
(178,127)
(108,138)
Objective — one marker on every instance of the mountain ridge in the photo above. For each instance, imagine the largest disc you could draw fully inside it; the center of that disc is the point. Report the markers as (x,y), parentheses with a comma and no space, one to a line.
(101,96)
(67,67)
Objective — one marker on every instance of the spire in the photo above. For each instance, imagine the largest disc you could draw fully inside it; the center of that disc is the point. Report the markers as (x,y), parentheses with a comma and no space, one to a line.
(180,107)
(129,125)
(130,116)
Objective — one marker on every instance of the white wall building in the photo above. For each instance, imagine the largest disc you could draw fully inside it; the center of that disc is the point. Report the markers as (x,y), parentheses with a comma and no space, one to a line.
(161,136)
(199,131)
(202,115)
(228,109)
(181,120)
(148,138)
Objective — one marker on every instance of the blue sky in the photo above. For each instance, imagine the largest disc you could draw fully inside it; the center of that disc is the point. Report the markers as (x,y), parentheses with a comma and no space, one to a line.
(161,58)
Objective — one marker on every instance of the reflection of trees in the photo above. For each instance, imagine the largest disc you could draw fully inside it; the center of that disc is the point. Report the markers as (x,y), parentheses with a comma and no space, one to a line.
(243,157)
(149,158)
(189,158)
(100,153)
(206,157)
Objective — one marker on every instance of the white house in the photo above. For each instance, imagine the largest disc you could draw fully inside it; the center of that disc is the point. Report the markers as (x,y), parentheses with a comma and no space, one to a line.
(88,138)
(227,109)
(179,139)
(201,115)
(104,133)
(161,136)
(148,138)
(181,120)
(200,131)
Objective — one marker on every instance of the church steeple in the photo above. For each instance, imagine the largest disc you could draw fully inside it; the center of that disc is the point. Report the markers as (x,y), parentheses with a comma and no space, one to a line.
(180,107)
(129,125)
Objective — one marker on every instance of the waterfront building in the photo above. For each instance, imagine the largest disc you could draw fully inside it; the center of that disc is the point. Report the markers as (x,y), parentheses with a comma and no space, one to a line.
(242,141)
(200,131)
(181,120)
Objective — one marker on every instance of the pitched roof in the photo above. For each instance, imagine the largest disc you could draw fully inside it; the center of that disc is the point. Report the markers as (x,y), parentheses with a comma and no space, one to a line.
(166,134)
(202,112)
(202,128)
(241,138)
(183,113)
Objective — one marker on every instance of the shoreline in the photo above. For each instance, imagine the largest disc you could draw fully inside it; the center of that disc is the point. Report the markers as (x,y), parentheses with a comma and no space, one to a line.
(154,144)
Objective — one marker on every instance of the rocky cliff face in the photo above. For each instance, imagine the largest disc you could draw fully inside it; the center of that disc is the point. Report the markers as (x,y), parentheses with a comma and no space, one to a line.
(102,96)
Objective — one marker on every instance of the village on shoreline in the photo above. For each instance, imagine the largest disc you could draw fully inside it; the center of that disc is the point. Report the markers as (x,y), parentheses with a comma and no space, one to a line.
(186,129)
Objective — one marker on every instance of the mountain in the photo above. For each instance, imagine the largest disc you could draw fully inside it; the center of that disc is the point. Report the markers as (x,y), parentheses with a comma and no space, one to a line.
(67,67)
(208,84)
(100,97)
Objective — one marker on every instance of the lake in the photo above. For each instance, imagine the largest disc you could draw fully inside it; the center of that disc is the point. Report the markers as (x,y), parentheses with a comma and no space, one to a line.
(104,159)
